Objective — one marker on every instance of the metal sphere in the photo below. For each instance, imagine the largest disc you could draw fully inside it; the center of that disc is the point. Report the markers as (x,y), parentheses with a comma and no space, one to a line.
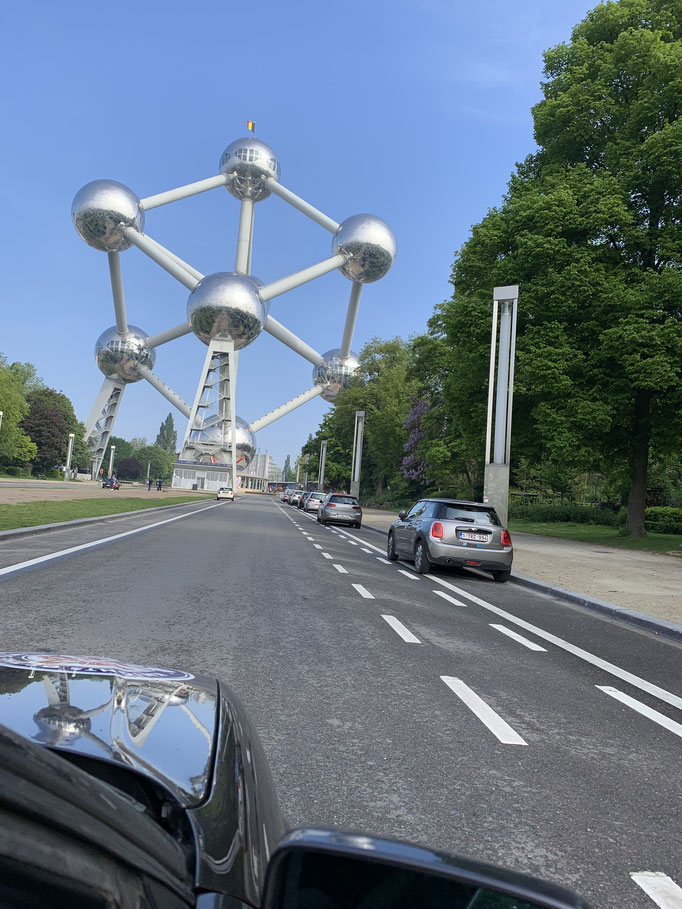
(119,356)
(248,163)
(335,373)
(101,210)
(370,245)
(245,440)
(226,307)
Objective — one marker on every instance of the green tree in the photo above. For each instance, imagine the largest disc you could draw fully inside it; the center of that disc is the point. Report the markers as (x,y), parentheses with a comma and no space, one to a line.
(16,446)
(49,421)
(161,461)
(129,469)
(123,450)
(167,437)
(287,473)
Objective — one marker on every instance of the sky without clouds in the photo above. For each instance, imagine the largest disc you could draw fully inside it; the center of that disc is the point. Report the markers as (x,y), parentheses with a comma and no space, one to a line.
(414,111)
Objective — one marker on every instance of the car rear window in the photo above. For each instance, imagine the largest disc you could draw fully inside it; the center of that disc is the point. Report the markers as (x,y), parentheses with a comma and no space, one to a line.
(344,500)
(470,514)
(318,495)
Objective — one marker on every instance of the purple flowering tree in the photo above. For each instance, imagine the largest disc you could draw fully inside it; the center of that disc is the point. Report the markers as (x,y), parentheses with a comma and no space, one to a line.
(412,466)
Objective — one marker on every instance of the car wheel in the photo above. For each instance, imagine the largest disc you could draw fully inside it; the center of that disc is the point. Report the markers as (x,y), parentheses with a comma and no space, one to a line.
(391,554)
(502,576)
(318,520)
(358,524)
(422,563)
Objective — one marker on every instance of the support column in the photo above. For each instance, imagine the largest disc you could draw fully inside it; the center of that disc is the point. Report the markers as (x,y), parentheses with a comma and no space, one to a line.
(100,423)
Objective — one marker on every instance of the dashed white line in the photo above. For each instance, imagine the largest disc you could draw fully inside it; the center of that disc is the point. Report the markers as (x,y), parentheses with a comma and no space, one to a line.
(367,550)
(446,596)
(531,645)
(650,714)
(409,574)
(364,593)
(326,555)
(317,546)
(381,559)
(662,889)
(352,543)
(340,568)
(499,727)
(404,632)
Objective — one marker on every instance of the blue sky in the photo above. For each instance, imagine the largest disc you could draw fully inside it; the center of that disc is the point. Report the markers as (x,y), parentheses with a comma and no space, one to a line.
(414,111)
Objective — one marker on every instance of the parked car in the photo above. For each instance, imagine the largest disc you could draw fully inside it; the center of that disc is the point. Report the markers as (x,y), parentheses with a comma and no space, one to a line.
(303,499)
(314,501)
(110,483)
(452,532)
(295,496)
(340,508)
(225,492)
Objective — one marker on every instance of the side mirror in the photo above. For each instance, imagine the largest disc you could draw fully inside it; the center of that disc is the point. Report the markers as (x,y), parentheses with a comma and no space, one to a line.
(325,869)
(402,515)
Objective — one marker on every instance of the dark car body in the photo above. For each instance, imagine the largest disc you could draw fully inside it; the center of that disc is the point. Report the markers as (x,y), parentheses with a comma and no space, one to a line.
(110,483)
(179,746)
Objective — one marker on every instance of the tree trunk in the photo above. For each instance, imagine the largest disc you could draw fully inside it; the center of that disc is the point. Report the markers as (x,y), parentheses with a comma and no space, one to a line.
(641,426)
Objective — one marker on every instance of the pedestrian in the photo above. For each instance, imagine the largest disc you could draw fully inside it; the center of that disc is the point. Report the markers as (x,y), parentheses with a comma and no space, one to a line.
(149,484)
(158,484)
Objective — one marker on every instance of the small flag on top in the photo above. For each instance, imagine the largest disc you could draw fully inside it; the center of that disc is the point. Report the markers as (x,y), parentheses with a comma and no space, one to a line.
(251,126)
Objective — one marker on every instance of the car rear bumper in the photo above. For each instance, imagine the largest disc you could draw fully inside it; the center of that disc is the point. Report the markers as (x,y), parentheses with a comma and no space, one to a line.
(470,557)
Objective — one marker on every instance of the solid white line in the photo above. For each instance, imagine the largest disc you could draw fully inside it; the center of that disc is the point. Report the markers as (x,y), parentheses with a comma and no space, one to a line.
(446,596)
(360,540)
(484,712)
(662,889)
(83,546)
(340,568)
(654,715)
(381,559)
(367,550)
(364,593)
(623,674)
(317,546)
(398,626)
(326,555)
(409,574)
(531,645)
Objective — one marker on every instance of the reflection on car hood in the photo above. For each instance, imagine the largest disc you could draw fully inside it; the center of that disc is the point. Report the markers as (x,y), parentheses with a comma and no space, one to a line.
(158,722)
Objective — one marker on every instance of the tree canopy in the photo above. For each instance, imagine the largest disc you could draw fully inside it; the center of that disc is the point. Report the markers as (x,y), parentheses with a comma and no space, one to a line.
(167,437)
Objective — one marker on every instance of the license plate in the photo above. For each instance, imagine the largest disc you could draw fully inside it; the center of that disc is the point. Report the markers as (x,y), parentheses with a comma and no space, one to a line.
(475,537)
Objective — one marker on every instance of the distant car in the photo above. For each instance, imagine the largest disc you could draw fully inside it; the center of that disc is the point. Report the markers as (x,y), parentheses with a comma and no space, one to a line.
(340,508)
(314,500)
(295,496)
(452,532)
(110,483)
(303,499)
(225,492)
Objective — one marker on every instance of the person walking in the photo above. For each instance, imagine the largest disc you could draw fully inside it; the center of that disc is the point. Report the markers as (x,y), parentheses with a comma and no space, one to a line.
(159,483)
(149,484)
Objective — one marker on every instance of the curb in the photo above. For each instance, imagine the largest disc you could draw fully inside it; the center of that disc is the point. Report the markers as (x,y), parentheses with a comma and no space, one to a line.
(64,525)
(629,616)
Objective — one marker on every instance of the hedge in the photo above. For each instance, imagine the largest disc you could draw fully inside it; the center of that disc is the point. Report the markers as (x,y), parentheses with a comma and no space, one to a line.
(574,514)
(663,519)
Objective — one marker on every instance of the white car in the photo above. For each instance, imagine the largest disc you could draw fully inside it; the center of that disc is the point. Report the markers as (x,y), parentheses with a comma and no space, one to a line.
(226,492)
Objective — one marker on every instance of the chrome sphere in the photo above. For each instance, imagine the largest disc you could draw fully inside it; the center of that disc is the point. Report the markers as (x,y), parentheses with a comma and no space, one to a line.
(226,307)
(118,356)
(245,440)
(100,212)
(370,245)
(248,163)
(335,373)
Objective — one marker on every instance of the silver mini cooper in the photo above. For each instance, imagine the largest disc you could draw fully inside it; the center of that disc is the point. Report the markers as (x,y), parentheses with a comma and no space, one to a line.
(450,532)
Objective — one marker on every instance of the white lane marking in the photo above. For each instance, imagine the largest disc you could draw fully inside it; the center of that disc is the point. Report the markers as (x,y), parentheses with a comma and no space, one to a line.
(352,543)
(654,715)
(326,555)
(360,540)
(409,574)
(662,889)
(39,560)
(531,645)
(317,546)
(381,559)
(499,728)
(404,632)
(364,593)
(623,674)
(340,568)
(367,550)
(446,596)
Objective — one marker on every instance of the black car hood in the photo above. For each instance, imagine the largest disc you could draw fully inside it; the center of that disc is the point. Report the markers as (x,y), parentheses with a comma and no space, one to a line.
(158,722)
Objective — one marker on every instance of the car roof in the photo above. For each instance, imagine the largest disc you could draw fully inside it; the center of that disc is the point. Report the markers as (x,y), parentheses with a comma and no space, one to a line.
(457,502)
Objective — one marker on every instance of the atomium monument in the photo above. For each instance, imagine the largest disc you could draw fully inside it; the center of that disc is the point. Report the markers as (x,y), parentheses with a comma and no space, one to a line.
(226,311)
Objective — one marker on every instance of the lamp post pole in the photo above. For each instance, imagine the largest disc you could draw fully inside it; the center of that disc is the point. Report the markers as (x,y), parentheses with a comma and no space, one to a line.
(358,436)
(111,459)
(67,471)
(323,459)
(1,413)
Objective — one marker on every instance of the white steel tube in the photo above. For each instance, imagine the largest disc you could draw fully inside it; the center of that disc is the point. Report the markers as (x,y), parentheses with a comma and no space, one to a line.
(117,291)
(510,398)
(170,334)
(163,389)
(278,412)
(303,206)
(182,192)
(243,237)
(161,256)
(277,330)
(351,317)
(491,386)
(301,277)
(499,445)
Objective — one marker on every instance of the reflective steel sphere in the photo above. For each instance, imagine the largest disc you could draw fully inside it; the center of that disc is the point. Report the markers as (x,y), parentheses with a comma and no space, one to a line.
(370,245)
(118,356)
(100,212)
(245,440)
(248,163)
(226,307)
(335,373)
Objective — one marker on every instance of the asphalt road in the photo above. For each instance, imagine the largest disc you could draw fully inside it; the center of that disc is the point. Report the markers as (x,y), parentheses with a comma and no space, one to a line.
(562,761)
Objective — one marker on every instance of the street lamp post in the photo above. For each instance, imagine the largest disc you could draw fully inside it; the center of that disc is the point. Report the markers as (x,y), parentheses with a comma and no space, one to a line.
(323,460)
(67,471)
(111,459)
(1,413)
(358,436)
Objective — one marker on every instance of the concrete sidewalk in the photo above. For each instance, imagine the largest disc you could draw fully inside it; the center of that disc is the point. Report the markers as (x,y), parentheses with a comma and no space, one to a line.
(646,582)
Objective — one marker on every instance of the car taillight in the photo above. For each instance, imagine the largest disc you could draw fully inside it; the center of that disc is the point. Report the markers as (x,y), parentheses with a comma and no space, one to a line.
(331,505)
(356,508)
(506,538)
(437,530)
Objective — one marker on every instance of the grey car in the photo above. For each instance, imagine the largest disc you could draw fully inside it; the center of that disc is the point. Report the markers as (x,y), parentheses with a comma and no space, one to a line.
(314,500)
(340,508)
(452,532)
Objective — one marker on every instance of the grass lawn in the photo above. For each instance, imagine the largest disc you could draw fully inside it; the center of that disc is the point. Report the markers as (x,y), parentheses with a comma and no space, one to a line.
(602,536)
(29,514)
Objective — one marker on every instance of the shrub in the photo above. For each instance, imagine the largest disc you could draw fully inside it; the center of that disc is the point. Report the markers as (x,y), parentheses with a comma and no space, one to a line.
(574,514)
(663,519)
